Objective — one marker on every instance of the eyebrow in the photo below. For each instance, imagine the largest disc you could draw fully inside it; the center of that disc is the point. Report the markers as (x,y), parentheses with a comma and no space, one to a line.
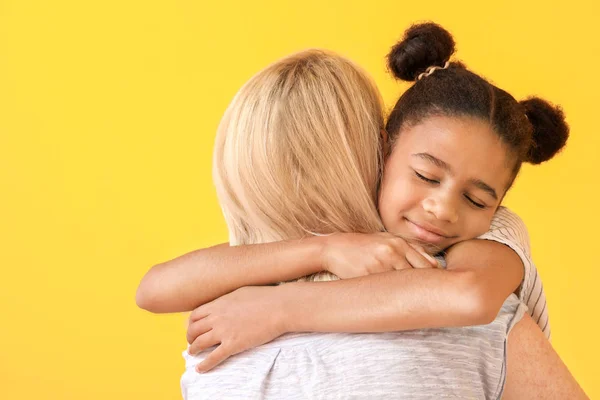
(428,157)
(445,166)
(485,187)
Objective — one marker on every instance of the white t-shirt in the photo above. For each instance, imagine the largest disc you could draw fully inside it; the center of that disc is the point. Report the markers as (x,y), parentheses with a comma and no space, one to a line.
(443,363)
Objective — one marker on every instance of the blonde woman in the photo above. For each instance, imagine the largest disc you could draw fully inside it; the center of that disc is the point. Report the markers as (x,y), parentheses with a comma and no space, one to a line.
(299,154)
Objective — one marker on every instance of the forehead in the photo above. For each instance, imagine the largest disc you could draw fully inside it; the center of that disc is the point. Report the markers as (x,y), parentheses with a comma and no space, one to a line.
(469,145)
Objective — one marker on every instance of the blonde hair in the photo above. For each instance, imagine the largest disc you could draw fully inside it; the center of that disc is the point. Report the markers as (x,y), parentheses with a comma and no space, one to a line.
(298,152)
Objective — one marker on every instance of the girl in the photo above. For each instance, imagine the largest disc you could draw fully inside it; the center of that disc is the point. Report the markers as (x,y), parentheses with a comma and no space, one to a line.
(429,205)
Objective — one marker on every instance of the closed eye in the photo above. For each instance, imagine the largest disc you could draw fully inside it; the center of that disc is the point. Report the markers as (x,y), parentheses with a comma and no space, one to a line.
(476,204)
(425,179)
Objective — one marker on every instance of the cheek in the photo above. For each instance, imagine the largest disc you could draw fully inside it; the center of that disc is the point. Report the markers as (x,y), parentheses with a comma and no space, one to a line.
(398,195)
(479,223)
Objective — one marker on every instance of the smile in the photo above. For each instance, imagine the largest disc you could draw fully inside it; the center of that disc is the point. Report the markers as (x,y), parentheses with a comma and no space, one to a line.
(426,234)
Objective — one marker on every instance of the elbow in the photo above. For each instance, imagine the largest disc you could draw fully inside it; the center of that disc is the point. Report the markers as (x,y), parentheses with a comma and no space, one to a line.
(481,307)
(485,312)
(148,296)
(143,299)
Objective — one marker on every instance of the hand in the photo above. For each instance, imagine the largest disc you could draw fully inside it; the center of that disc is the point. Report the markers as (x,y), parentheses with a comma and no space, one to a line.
(349,255)
(238,321)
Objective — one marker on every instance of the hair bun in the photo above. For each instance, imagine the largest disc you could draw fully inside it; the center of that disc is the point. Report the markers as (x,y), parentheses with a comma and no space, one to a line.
(550,130)
(423,46)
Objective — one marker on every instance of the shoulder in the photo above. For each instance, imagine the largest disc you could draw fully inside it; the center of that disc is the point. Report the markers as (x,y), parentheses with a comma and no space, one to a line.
(508,228)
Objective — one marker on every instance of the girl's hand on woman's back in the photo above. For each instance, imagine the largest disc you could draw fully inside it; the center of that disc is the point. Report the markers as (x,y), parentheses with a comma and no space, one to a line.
(350,255)
(238,321)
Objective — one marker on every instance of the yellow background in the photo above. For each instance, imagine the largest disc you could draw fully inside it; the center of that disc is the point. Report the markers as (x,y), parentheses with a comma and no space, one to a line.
(108,111)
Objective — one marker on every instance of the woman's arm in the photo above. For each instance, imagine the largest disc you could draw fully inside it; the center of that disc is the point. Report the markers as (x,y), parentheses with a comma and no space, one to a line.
(534,369)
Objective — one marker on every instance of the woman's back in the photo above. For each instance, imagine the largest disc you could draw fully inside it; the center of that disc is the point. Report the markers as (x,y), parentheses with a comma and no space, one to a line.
(460,363)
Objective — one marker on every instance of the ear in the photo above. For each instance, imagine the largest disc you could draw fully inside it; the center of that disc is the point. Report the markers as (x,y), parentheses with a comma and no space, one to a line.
(385,142)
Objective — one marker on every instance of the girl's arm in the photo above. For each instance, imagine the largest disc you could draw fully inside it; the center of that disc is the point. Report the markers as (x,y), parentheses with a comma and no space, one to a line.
(201,276)
(191,280)
(480,276)
(195,278)
(390,301)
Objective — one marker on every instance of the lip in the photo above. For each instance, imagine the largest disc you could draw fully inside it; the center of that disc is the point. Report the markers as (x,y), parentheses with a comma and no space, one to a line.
(427,233)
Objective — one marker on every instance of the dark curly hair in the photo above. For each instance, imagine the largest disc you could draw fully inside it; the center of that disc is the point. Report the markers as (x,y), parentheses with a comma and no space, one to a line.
(533,129)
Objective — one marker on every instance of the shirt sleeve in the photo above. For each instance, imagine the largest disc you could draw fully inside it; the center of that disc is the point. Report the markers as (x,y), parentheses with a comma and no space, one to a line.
(508,228)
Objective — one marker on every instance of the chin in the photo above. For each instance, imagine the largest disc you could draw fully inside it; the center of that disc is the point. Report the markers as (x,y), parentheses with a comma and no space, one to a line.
(433,249)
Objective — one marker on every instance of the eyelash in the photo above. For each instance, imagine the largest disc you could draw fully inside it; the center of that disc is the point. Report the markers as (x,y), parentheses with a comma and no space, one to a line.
(421,177)
(478,205)
(433,181)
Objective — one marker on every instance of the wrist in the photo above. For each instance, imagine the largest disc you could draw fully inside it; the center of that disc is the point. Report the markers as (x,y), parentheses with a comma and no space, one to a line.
(324,246)
(318,246)
(286,311)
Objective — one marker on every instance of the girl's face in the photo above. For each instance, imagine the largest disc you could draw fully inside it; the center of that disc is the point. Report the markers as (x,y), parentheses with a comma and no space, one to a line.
(444,181)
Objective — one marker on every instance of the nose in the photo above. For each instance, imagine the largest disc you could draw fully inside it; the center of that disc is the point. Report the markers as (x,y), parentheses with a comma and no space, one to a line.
(442,208)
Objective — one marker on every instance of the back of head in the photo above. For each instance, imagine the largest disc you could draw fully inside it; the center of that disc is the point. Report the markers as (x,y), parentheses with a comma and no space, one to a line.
(298,151)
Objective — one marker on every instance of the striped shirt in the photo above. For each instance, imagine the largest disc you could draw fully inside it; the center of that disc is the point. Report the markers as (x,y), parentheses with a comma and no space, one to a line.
(508,228)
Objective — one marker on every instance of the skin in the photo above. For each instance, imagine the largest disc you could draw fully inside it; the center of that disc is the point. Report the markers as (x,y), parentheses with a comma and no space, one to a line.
(548,378)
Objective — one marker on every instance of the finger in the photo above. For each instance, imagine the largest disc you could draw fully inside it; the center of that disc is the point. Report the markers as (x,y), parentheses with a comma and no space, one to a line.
(203,342)
(196,329)
(400,249)
(417,260)
(199,312)
(422,251)
(216,357)
(401,263)
(388,262)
